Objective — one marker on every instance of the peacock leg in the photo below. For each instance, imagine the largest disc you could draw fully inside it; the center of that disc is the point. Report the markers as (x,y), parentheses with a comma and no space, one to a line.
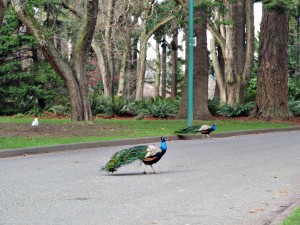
(145,170)
(153,169)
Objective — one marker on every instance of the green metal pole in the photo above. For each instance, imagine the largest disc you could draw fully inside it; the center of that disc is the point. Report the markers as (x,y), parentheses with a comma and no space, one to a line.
(190,65)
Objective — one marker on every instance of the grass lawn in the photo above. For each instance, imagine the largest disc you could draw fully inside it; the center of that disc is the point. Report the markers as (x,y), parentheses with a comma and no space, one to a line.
(293,219)
(18,133)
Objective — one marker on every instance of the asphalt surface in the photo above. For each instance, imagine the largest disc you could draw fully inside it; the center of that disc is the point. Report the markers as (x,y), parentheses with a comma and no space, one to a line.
(245,180)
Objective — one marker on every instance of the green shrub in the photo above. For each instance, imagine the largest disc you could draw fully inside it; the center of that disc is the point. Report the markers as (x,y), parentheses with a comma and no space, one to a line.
(100,104)
(119,106)
(236,110)
(35,111)
(59,110)
(159,107)
(251,90)
(214,106)
(294,107)
(293,90)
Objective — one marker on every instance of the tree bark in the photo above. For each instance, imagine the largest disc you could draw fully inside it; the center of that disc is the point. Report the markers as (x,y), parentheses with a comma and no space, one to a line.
(164,68)
(297,45)
(121,85)
(157,69)
(201,67)
(200,71)
(236,40)
(174,63)
(3,5)
(272,91)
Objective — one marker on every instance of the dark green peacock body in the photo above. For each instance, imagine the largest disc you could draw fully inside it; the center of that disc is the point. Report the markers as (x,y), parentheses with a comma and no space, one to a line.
(125,157)
(148,154)
(204,129)
(191,129)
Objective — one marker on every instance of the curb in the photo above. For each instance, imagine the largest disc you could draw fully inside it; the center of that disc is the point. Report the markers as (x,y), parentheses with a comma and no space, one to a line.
(279,219)
(78,146)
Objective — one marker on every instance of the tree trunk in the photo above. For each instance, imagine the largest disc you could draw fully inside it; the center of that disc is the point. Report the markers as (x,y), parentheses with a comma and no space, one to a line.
(272,91)
(122,73)
(201,67)
(236,40)
(164,68)
(141,62)
(3,5)
(174,64)
(103,68)
(129,74)
(157,69)
(144,37)
(218,64)
(200,71)
(297,44)
(182,114)
(73,73)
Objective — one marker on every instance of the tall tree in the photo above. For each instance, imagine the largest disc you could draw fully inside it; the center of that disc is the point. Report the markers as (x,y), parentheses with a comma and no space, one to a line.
(233,33)
(146,33)
(27,82)
(73,72)
(272,90)
(200,97)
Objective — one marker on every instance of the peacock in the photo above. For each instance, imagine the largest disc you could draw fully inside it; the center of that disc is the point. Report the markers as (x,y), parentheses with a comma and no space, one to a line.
(148,154)
(204,129)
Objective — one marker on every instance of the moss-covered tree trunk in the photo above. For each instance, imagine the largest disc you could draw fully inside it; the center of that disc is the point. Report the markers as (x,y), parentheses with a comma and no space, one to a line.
(272,90)
(235,40)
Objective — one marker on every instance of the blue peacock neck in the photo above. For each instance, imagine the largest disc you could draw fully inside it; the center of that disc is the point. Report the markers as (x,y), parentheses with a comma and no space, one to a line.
(163,146)
(214,127)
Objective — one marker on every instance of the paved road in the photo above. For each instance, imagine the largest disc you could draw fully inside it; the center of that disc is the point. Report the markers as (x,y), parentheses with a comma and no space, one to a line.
(244,180)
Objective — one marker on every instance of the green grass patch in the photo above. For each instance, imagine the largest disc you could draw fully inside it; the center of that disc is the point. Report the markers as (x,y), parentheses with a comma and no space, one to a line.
(18,133)
(293,219)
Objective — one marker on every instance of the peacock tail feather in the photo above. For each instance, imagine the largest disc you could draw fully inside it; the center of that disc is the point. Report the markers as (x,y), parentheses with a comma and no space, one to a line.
(125,157)
(191,129)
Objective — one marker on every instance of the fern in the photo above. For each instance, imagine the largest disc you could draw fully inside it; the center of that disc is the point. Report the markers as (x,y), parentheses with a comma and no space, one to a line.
(119,106)
(159,107)
(236,109)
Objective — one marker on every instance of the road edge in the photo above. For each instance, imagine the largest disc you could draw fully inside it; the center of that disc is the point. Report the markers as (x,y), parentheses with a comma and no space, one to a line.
(135,141)
(283,215)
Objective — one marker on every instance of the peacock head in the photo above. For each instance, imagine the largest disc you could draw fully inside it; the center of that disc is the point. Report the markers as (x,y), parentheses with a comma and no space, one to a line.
(163,145)
(163,139)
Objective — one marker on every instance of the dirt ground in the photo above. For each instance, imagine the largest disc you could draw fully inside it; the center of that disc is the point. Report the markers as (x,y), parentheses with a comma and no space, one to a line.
(85,130)
(53,130)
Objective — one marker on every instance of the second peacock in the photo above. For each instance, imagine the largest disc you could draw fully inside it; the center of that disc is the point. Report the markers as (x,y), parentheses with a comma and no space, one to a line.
(148,154)
(204,129)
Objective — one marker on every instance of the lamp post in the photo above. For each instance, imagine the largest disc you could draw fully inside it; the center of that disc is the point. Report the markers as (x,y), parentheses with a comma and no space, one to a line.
(190,107)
